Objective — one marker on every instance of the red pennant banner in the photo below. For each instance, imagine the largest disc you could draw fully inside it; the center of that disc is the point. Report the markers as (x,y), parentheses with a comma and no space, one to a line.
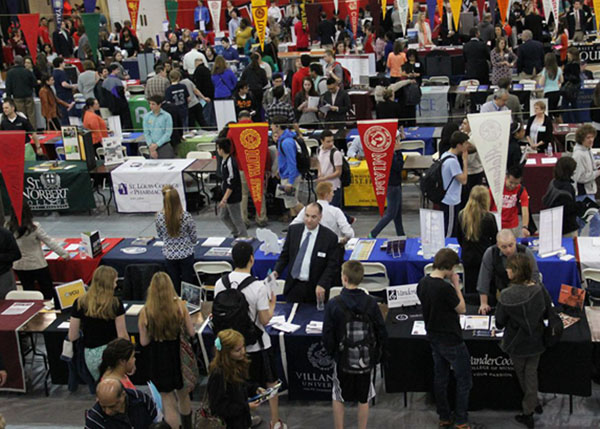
(12,166)
(251,145)
(352,6)
(378,139)
(29,26)
(133,6)
(503,6)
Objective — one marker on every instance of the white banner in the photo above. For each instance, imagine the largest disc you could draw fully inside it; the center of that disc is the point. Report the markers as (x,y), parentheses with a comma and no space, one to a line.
(490,133)
(547,9)
(555,11)
(433,236)
(137,185)
(214,6)
(551,221)
(403,11)
(336,6)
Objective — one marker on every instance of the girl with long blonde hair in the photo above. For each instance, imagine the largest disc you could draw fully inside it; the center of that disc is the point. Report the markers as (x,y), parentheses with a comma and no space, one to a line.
(228,386)
(100,315)
(162,320)
(477,231)
(177,229)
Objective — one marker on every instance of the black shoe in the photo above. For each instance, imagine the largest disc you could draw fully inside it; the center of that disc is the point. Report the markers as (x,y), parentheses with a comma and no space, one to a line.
(539,409)
(525,419)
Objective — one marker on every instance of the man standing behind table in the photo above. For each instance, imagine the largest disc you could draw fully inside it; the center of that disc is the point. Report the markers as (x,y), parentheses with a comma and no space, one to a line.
(310,252)
(158,127)
(13,121)
(492,274)
(10,253)
(497,104)
(202,14)
(20,85)
(229,52)
(530,56)
(477,55)
(442,301)
(586,173)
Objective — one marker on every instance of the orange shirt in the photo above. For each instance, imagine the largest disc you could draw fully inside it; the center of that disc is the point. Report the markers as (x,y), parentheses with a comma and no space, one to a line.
(96,124)
(395,63)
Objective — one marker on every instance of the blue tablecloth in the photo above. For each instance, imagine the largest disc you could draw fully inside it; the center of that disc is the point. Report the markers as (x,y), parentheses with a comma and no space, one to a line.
(412,133)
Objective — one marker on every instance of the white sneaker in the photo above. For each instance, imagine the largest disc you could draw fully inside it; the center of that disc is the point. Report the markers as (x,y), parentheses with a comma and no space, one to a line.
(278,425)
(255,421)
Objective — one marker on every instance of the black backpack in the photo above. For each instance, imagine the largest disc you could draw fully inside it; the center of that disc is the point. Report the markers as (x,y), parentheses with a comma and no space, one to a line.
(412,94)
(302,156)
(432,183)
(346,177)
(358,350)
(230,311)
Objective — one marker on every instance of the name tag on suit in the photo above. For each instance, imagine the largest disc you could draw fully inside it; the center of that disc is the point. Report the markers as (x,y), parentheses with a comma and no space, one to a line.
(321,255)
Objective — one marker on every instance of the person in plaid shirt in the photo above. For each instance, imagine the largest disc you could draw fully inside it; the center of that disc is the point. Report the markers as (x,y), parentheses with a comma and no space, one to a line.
(280,107)
(158,84)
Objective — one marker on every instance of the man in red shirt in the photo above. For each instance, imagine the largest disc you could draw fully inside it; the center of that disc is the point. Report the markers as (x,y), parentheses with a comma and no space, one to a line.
(302,72)
(301,36)
(44,33)
(369,46)
(514,194)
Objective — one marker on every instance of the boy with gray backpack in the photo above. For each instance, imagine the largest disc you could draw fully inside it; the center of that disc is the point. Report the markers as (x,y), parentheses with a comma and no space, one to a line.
(354,335)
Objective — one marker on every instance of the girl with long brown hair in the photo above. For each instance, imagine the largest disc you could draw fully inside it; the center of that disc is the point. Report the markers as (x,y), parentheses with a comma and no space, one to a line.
(477,231)
(177,229)
(162,320)
(228,387)
(223,79)
(100,315)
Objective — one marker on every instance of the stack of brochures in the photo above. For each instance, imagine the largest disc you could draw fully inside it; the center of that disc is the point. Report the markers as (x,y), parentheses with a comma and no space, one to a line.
(314,327)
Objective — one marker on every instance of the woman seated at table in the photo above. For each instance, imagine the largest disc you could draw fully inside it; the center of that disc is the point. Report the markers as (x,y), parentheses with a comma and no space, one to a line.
(118,362)
(522,308)
(423,31)
(32,266)
(94,122)
(177,229)
(539,128)
(476,233)
(100,316)
(561,192)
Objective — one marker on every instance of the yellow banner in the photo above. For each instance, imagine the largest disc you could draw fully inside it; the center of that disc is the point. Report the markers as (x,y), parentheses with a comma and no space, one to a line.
(455,6)
(597,10)
(384,7)
(259,12)
(410,9)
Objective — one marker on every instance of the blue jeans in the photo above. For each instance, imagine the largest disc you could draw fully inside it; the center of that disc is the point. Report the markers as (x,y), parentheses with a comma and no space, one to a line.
(458,358)
(594,223)
(393,212)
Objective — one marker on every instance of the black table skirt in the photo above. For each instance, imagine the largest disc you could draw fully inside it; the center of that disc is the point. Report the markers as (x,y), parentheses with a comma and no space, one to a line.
(565,368)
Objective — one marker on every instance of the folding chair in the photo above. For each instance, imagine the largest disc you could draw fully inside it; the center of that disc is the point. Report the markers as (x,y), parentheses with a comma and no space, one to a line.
(213,269)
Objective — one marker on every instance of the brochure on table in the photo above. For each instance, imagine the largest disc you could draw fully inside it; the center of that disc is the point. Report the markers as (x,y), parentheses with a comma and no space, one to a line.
(432,232)
(551,231)
(92,243)
(113,151)
(402,296)
(71,143)
(137,184)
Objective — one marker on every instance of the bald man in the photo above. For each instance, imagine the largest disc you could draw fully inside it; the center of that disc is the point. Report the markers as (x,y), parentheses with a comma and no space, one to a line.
(117,407)
(492,275)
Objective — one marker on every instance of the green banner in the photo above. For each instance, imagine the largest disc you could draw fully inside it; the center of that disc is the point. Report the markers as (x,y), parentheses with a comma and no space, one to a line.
(172,7)
(91,22)
(66,189)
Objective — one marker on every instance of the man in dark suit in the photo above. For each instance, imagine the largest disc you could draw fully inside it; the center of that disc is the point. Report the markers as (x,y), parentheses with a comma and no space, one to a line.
(476,55)
(326,30)
(577,21)
(63,43)
(530,56)
(311,254)
(535,23)
(335,103)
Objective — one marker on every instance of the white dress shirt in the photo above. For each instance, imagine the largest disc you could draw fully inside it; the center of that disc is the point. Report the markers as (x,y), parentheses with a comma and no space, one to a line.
(189,60)
(305,267)
(332,218)
(491,106)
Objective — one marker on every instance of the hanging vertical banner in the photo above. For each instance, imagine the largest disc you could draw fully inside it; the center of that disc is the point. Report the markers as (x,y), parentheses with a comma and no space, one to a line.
(352,6)
(440,7)
(547,9)
(12,166)
(403,12)
(480,9)
(251,146)
(172,7)
(411,5)
(490,133)
(383,7)
(492,4)
(336,6)
(431,5)
(89,6)
(378,138)
(29,26)
(133,7)
(503,6)
(596,8)
(214,6)
(455,7)
(91,22)
(303,15)
(57,7)
(259,12)
(596,11)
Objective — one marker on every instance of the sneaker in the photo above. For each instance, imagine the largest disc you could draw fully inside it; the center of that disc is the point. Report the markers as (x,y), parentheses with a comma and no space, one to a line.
(525,419)
(539,409)
(278,425)
(255,421)
(445,423)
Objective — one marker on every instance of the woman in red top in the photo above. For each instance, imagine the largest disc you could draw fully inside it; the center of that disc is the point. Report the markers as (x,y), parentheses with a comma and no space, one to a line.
(562,40)
(94,122)
(369,45)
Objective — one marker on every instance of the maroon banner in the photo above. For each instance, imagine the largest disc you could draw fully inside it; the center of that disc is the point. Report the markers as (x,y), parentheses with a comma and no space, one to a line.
(29,26)
(12,166)
(133,7)
(251,145)
(352,6)
(378,139)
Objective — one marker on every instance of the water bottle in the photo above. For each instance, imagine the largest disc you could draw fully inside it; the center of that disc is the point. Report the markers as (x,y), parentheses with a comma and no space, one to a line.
(550,149)
(82,251)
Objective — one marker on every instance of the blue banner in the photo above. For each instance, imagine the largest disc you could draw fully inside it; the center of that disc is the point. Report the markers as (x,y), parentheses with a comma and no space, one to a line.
(57,7)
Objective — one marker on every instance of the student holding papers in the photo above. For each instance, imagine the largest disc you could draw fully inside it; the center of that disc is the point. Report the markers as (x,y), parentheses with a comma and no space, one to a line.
(522,308)
(442,303)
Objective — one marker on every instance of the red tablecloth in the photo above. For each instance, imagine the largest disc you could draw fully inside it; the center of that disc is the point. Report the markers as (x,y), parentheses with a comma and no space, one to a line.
(75,62)
(77,267)
(536,178)
(10,348)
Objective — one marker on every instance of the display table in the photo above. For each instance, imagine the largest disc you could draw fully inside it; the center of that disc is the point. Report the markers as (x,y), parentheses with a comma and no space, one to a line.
(427,134)
(433,108)
(588,252)
(189,144)
(563,369)
(66,188)
(537,177)
(78,267)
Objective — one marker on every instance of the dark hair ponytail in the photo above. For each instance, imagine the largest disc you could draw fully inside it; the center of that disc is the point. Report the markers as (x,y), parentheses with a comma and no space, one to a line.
(117,350)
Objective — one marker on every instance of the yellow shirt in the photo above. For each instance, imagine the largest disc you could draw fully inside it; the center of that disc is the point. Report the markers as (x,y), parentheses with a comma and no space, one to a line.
(242,36)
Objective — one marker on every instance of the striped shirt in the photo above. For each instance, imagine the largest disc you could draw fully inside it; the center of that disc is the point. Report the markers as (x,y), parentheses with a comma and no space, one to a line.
(140,412)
